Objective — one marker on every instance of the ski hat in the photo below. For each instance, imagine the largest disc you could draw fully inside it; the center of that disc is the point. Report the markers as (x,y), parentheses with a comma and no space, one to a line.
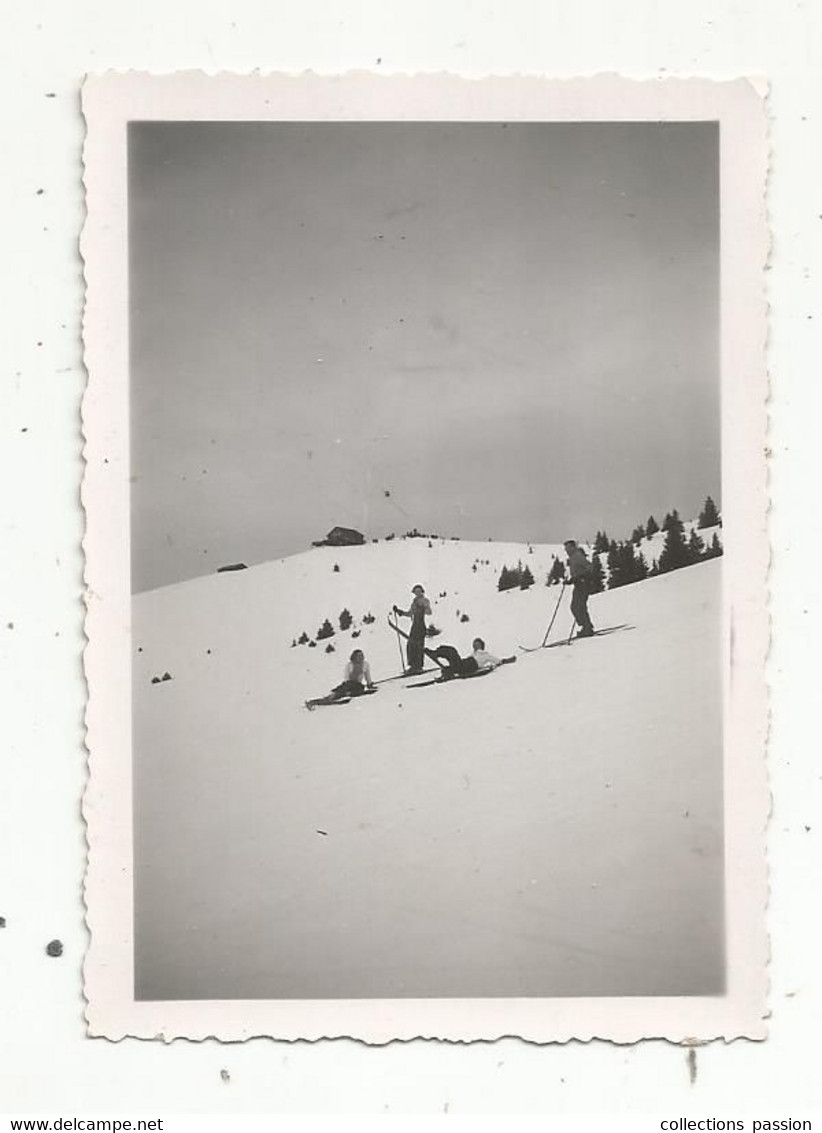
(570,543)
(414,589)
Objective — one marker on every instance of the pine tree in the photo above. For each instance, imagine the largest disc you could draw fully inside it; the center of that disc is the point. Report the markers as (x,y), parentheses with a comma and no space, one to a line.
(651,527)
(345,619)
(511,577)
(672,520)
(303,639)
(696,547)
(614,571)
(675,552)
(709,516)
(638,534)
(336,568)
(600,543)
(626,566)
(715,548)
(557,571)
(325,630)
(629,563)
(526,579)
(330,648)
(596,582)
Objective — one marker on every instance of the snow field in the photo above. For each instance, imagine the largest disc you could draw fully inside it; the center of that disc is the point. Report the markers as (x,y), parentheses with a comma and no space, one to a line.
(554,828)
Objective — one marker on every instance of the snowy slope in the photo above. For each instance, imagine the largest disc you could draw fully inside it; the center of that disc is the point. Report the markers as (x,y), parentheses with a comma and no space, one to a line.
(268,606)
(554,828)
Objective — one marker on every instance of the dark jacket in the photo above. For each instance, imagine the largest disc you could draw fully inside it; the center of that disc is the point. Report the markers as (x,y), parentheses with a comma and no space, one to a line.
(579,566)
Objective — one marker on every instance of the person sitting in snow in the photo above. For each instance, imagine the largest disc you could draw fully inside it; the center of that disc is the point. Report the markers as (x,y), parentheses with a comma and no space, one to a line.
(357,676)
(580,569)
(356,681)
(419,609)
(480,660)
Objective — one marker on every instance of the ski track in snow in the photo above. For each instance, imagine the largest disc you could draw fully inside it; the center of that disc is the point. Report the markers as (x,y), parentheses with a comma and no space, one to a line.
(554,829)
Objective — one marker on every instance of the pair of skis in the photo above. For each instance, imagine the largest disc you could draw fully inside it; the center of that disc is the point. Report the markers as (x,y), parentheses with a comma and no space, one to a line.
(574,639)
(331,701)
(444,680)
(545,644)
(586,636)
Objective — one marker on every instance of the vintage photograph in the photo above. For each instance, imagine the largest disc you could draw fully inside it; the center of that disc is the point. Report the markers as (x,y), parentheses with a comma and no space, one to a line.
(427,595)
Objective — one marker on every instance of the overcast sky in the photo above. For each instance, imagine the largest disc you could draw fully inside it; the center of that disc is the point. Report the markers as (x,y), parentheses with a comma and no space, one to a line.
(479,330)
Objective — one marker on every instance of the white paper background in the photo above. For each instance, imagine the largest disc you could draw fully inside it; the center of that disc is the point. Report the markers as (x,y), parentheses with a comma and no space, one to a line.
(47,1063)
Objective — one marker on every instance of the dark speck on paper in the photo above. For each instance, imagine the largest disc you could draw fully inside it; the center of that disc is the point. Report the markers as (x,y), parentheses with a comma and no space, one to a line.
(692,1070)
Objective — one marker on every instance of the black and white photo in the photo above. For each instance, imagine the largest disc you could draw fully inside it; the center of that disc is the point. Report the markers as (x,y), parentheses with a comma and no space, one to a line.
(438,521)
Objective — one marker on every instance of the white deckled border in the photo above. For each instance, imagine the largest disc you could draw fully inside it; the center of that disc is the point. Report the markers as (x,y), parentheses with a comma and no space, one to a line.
(109,102)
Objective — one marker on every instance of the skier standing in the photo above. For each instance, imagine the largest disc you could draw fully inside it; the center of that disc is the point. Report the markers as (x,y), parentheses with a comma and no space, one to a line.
(419,609)
(580,569)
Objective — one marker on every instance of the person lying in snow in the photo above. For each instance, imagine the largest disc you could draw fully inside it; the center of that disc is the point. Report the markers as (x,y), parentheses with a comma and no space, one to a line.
(480,660)
(356,681)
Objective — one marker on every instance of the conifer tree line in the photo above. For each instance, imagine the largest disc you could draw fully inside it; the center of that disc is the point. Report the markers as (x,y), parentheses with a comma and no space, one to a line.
(513,578)
(627,564)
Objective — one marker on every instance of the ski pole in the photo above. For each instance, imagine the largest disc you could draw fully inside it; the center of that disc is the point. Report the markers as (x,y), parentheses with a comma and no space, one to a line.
(571,634)
(395,627)
(553,616)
